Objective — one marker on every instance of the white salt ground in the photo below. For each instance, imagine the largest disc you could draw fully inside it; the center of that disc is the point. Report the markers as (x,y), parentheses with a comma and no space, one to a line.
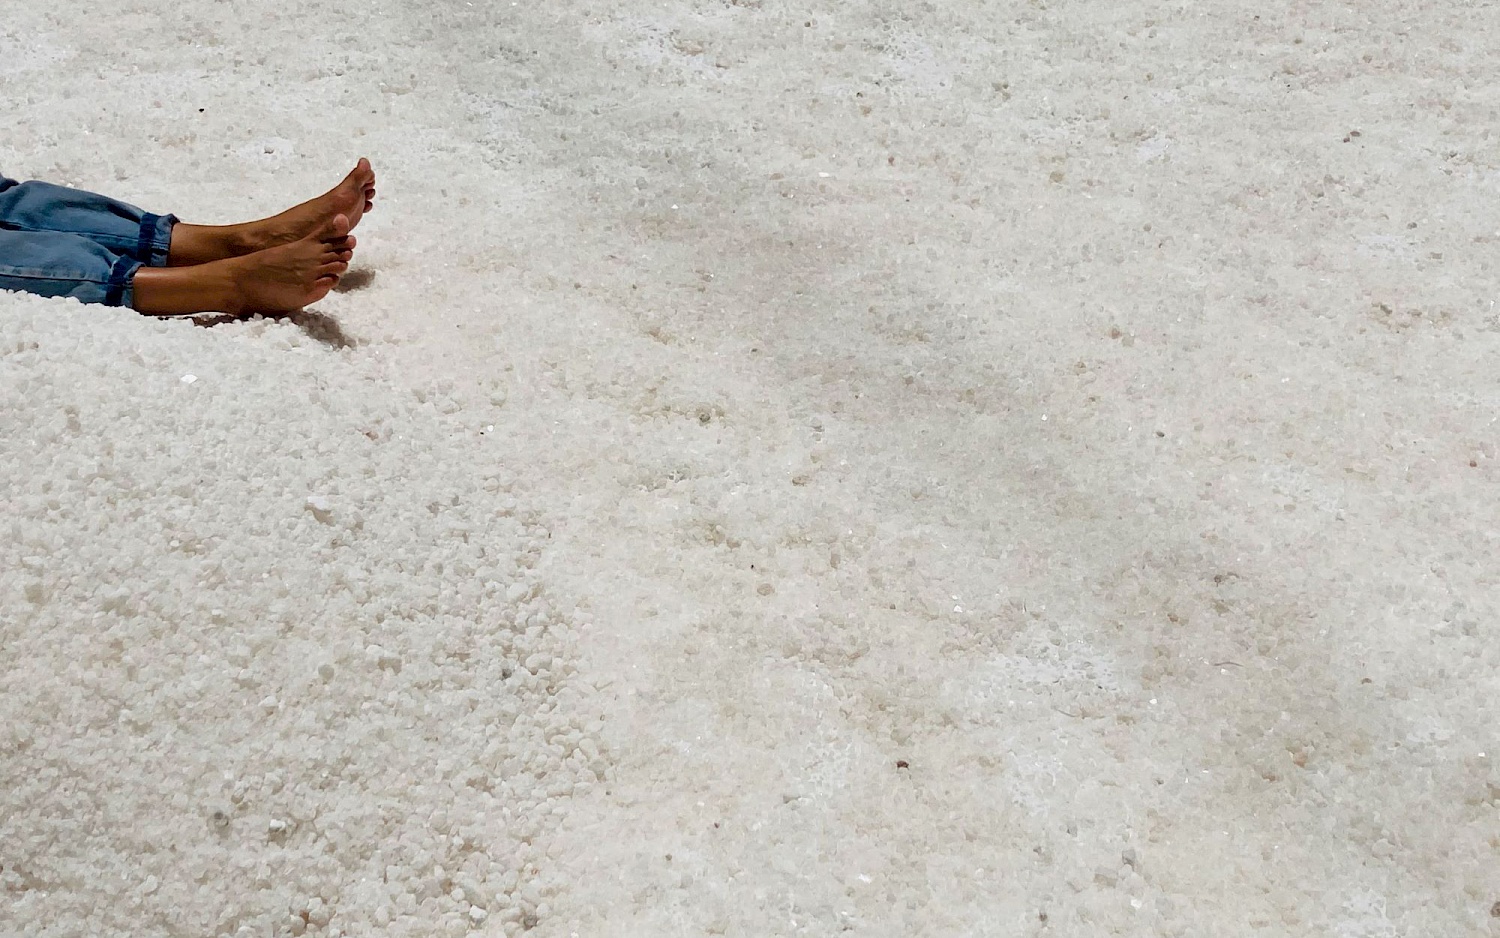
(273,654)
(1001,470)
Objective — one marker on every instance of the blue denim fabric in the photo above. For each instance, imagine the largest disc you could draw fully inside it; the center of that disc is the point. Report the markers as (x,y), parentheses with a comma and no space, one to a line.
(65,242)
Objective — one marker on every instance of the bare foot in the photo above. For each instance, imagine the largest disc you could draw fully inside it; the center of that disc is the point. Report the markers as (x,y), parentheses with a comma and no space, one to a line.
(200,244)
(290,276)
(350,198)
(279,279)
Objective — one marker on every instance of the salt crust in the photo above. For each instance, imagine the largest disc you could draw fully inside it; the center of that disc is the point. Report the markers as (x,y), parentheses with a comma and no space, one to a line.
(274,657)
(1032,467)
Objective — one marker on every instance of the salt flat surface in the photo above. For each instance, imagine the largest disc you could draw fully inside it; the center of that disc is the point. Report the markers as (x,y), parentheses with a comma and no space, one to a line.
(896,469)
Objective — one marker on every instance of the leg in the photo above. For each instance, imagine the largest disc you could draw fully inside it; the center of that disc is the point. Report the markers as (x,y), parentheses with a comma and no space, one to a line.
(52,263)
(199,244)
(278,279)
(161,240)
(117,226)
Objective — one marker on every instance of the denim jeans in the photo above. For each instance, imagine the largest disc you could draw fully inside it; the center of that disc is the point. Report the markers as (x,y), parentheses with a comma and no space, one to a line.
(65,242)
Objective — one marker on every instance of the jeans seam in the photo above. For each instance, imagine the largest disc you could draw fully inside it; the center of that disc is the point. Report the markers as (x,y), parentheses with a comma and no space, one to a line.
(118,276)
(79,278)
(98,237)
(144,235)
(161,239)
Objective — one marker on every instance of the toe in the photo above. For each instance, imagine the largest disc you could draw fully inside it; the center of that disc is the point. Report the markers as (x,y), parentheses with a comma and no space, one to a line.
(337,227)
(338,250)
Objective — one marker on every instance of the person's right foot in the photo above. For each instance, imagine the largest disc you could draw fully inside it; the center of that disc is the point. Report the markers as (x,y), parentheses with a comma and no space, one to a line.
(291,276)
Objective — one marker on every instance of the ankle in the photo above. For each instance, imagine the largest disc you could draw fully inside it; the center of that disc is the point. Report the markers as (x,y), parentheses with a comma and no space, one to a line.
(201,288)
(203,244)
(231,282)
(246,238)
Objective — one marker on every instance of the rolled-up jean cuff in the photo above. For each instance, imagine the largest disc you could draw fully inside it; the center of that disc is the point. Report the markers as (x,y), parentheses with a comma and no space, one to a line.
(120,290)
(156,238)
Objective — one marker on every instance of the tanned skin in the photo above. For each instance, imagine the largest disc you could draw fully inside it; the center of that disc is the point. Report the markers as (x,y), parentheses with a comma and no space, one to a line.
(276,264)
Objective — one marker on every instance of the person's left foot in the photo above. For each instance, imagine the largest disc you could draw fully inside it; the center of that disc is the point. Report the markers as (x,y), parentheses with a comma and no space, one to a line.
(202,244)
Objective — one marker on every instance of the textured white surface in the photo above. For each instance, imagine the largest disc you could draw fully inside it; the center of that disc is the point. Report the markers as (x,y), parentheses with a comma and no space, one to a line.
(1000,470)
(227,701)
